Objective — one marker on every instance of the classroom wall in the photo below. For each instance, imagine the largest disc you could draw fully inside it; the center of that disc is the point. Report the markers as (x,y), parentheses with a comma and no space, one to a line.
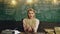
(48,11)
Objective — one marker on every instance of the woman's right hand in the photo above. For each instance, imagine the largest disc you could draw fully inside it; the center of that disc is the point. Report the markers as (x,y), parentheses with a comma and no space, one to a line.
(26,28)
(29,29)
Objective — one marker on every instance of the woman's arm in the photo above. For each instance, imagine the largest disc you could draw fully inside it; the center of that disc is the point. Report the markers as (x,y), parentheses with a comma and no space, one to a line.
(24,25)
(37,24)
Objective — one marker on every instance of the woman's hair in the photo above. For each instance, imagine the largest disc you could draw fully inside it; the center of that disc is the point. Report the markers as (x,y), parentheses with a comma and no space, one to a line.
(30,9)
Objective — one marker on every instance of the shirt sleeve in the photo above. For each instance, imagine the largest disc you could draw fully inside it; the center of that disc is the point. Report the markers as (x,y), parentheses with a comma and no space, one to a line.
(24,24)
(36,27)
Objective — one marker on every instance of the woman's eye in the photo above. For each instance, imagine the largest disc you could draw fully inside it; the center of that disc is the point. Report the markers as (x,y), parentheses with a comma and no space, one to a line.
(32,13)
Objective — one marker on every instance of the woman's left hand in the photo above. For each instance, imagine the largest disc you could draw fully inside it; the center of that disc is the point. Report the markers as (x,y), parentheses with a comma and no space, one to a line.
(30,29)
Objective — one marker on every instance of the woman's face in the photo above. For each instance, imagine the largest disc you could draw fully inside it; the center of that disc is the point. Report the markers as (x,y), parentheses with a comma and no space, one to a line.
(31,14)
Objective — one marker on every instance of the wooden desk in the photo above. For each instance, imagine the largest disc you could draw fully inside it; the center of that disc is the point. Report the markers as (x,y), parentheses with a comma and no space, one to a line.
(32,33)
(16,32)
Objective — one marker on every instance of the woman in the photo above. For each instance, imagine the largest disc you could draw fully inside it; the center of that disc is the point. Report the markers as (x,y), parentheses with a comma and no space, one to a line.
(30,23)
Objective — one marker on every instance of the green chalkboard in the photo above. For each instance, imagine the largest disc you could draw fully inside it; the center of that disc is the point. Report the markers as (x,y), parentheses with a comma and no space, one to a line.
(45,11)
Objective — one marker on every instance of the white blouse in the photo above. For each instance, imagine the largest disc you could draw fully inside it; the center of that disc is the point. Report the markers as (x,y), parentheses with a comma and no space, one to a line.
(31,22)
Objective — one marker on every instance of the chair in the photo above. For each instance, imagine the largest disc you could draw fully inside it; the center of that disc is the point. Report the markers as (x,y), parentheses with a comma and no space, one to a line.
(49,31)
(57,30)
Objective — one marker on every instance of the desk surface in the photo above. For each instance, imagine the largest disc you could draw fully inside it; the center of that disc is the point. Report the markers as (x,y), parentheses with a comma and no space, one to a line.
(32,33)
(15,31)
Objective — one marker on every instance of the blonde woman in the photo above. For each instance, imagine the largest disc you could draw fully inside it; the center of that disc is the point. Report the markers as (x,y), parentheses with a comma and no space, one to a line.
(30,23)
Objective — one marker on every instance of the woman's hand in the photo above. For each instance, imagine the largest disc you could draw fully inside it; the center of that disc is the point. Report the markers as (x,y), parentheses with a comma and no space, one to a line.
(30,29)
(26,28)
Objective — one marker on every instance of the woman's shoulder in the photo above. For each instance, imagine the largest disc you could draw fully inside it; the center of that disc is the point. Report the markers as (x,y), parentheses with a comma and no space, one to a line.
(36,19)
(25,19)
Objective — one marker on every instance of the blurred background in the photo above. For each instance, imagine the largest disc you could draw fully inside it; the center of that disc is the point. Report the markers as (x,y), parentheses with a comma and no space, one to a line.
(46,10)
